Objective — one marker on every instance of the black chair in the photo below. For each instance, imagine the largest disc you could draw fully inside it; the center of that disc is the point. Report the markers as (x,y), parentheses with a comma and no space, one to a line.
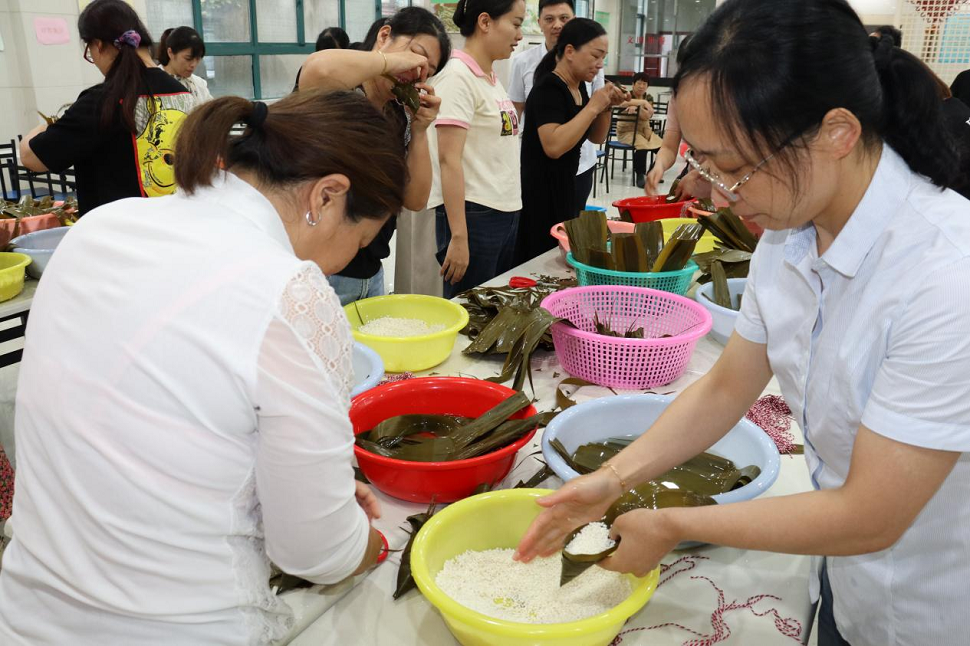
(38,184)
(9,184)
(613,145)
(8,150)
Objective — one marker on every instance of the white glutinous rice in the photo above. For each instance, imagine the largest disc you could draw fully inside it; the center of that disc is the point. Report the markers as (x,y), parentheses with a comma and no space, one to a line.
(591,539)
(491,583)
(394,326)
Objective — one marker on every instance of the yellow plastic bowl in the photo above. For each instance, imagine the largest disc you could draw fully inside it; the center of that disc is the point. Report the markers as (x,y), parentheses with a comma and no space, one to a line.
(12,266)
(705,244)
(498,520)
(411,353)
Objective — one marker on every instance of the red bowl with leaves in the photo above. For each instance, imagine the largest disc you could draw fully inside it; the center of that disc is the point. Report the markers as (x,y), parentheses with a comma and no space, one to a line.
(441,481)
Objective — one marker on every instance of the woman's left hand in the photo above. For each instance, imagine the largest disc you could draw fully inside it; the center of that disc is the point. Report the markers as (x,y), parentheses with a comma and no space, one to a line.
(367,501)
(428,112)
(645,538)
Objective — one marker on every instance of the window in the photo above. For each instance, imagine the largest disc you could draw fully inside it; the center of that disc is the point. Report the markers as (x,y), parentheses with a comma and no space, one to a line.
(255,47)
(652,30)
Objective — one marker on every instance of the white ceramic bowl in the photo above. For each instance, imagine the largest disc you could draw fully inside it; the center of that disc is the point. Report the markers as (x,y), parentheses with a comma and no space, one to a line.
(724,318)
(631,415)
(40,246)
(368,369)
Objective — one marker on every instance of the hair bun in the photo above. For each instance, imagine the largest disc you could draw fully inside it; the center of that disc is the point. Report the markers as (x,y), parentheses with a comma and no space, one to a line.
(882,50)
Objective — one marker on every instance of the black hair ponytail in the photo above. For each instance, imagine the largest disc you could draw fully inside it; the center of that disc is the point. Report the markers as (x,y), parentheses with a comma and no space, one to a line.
(115,24)
(179,39)
(913,122)
(775,69)
(577,32)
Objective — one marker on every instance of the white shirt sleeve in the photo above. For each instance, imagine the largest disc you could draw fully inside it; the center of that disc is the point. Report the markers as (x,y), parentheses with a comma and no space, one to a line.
(517,79)
(313,526)
(749,323)
(921,393)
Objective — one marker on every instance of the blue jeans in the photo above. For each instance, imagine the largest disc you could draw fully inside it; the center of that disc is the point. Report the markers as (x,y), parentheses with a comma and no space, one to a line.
(491,244)
(354,289)
(828,632)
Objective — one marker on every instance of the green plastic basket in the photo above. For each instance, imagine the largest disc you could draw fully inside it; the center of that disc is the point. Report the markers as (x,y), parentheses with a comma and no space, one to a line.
(675,282)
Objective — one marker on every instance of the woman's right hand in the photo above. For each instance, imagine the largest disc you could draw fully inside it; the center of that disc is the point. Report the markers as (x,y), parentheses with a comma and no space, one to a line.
(582,500)
(407,61)
(456,260)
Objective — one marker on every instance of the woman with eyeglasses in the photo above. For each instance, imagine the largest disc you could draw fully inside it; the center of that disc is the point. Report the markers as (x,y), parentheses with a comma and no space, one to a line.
(118,135)
(856,302)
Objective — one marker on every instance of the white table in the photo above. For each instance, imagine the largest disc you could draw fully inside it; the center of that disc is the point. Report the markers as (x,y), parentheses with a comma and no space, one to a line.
(363,612)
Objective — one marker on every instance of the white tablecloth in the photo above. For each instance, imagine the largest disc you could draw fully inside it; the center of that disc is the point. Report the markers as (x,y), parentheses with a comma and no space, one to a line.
(363,612)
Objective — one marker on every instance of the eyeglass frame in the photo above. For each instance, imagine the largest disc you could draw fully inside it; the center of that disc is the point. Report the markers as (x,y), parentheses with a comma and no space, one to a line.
(87,53)
(711,177)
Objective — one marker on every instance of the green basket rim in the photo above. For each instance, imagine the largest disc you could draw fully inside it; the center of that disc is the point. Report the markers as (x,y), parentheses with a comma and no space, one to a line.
(689,268)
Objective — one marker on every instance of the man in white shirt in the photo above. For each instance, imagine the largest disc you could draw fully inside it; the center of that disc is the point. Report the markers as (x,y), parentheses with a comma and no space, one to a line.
(553,15)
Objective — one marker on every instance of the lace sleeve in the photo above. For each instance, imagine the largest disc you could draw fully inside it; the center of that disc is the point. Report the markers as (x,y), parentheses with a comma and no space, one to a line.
(313,526)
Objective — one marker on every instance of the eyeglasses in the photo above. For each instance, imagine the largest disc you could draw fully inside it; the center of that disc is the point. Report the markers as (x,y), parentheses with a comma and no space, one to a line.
(730,192)
(87,54)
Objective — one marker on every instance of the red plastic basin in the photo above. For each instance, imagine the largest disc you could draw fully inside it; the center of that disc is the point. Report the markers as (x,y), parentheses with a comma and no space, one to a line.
(443,481)
(650,207)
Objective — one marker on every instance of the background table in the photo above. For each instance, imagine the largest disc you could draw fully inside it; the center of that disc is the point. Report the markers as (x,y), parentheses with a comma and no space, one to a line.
(362,611)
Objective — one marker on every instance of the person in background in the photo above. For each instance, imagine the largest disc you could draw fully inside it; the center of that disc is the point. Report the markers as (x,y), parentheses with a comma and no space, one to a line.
(411,46)
(214,434)
(332,38)
(553,15)
(646,139)
(180,50)
(561,118)
(855,302)
(960,88)
(329,38)
(892,32)
(477,190)
(118,135)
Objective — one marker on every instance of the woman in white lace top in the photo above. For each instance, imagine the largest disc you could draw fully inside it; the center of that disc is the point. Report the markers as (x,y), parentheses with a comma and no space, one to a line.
(183,397)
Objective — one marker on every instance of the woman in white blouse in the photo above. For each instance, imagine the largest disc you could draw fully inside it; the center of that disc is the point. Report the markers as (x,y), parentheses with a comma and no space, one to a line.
(857,302)
(180,50)
(182,404)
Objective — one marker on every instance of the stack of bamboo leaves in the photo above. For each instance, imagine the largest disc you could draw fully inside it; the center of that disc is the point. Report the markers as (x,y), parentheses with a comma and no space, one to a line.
(509,321)
(642,251)
(445,438)
(731,259)
(28,206)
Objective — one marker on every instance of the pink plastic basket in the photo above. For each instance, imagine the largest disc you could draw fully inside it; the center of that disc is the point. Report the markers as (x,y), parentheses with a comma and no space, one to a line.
(619,362)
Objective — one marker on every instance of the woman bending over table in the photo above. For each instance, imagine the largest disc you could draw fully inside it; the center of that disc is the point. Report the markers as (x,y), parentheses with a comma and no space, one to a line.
(202,370)
(856,302)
